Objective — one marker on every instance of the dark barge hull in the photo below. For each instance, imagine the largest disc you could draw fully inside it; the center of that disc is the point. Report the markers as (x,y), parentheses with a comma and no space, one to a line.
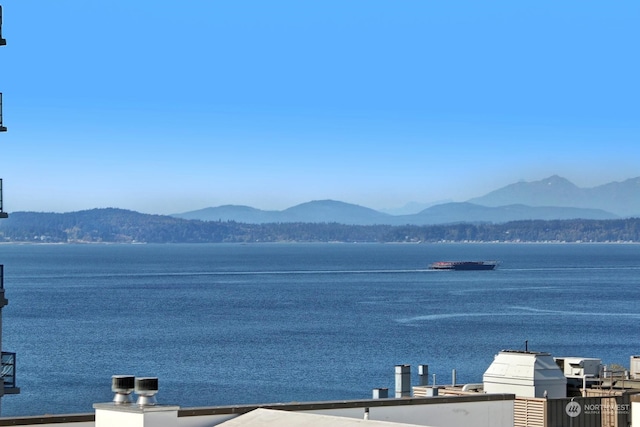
(464,265)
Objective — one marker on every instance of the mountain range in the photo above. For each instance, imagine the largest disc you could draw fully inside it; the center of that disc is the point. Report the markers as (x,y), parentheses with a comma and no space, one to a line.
(553,198)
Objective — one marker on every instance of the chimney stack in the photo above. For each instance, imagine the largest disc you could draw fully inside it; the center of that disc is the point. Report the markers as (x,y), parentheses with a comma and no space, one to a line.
(144,413)
(403,381)
(423,374)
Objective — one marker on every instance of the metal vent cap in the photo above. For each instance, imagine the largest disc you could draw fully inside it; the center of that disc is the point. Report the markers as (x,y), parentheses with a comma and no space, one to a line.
(122,386)
(146,389)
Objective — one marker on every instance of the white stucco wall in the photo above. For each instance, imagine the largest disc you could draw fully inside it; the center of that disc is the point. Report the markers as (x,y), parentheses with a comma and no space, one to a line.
(110,415)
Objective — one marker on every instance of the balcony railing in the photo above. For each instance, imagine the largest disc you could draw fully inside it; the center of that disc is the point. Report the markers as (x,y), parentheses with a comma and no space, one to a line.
(8,371)
(2,128)
(3,214)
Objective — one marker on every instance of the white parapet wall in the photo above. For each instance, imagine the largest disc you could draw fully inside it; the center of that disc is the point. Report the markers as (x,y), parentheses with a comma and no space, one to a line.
(478,410)
(449,414)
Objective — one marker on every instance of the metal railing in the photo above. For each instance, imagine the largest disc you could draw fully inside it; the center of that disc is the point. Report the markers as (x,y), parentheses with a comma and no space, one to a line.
(8,370)
(2,41)
(2,128)
(2,213)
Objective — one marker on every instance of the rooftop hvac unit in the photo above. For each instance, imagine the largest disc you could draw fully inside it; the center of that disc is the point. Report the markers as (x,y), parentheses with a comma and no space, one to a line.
(525,373)
(580,367)
(634,367)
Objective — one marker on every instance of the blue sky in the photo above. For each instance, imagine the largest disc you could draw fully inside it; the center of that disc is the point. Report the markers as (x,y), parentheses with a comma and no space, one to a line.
(165,107)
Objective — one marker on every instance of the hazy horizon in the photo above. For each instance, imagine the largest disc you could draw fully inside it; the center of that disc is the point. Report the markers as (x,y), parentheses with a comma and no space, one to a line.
(161,107)
(409,208)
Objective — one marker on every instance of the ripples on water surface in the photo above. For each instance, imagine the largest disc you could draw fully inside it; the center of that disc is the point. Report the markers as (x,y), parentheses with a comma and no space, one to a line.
(225,324)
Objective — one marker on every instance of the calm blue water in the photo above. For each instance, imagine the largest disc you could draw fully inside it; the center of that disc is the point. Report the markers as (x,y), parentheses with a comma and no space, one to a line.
(225,324)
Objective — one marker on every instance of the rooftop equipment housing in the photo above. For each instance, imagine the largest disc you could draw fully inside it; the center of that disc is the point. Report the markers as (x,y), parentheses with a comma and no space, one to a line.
(526,374)
(579,367)
(634,367)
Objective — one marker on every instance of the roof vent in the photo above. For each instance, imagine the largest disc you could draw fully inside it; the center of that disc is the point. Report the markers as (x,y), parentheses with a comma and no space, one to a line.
(122,386)
(146,389)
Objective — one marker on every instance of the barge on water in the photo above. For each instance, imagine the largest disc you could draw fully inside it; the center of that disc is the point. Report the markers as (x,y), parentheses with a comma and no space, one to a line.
(464,265)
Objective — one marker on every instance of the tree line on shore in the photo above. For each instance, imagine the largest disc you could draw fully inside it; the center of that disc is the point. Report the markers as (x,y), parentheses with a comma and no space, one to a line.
(123,226)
